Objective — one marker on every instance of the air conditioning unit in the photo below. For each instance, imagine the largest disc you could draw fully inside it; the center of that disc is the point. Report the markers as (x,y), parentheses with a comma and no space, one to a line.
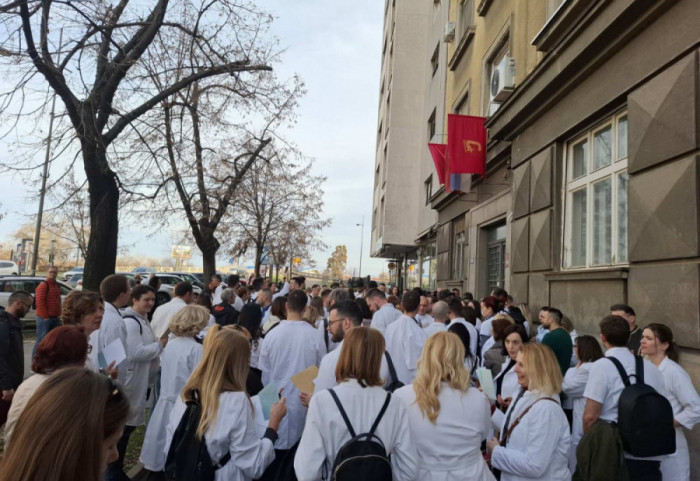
(502,79)
(449,32)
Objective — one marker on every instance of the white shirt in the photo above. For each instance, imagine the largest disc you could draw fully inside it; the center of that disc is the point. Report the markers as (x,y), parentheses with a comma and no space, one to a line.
(325,431)
(384,316)
(424,319)
(485,329)
(24,393)
(435,327)
(404,341)
(473,334)
(163,314)
(238,304)
(180,357)
(216,298)
(283,292)
(462,424)
(111,328)
(142,353)
(234,431)
(538,447)
(326,372)
(574,384)
(288,349)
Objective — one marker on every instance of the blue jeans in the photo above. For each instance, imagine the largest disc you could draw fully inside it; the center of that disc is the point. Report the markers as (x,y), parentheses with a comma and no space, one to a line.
(43,327)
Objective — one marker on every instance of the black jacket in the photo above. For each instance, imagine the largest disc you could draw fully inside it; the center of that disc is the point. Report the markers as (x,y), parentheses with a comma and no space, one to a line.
(11,352)
(224,314)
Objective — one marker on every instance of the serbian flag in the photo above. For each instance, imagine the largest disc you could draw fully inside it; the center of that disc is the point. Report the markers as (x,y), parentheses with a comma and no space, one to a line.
(466,146)
(442,167)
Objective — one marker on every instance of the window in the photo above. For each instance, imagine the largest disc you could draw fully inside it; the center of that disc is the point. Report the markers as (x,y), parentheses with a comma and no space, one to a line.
(374,219)
(466,17)
(435,59)
(496,253)
(459,248)
(429,189)
(431,126)
(428,266)
(596,196)
(498,61)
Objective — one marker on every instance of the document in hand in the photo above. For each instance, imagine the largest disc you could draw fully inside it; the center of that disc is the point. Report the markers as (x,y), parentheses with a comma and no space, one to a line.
(486,380)
(113,353)
(268,396)
(304,380)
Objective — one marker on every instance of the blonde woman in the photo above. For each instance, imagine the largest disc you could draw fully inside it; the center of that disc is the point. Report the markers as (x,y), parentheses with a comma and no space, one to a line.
(448,419)
(180,357)
(534,437)
(227,424)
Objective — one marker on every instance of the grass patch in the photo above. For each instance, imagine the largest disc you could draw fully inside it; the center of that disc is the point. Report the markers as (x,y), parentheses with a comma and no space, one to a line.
(29,335)
(133,449)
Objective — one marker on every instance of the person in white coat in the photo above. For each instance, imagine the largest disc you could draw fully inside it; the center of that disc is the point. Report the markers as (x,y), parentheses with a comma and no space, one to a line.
(506,382)
(587,351)
(164,313)
(658,345)
(383,312)
(179,359)
(534,439)
(362,397)
(116,293)
(228,423)
(289,348)
(448,419)
(456,316)
(440,313)
(405,337)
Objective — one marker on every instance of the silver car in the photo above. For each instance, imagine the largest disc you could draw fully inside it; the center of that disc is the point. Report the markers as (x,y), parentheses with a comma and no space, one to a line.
(10,284)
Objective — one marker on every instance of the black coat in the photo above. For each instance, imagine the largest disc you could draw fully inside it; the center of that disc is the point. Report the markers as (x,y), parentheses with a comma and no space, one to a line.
(224,314)
(11,352)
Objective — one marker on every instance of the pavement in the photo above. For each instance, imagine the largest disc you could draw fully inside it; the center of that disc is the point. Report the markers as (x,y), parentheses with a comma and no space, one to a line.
(28,346)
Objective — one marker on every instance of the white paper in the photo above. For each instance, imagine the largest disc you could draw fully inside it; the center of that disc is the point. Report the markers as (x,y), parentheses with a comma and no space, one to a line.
(114,353)
(486,381)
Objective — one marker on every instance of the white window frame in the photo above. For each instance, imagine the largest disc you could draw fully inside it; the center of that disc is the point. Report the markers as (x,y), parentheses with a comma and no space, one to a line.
(617,167)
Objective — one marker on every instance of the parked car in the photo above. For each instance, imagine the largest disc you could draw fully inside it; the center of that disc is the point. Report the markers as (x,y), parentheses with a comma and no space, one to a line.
(76,282)
(167,286)
(8,285)
(9,268)
(191,278)
(143,271)
(71,272)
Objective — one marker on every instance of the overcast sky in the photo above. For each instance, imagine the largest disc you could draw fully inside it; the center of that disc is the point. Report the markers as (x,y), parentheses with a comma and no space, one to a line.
(335,47)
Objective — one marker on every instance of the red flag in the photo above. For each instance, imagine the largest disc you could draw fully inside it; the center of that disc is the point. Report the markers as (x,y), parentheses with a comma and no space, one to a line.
(438,153)
(466,146)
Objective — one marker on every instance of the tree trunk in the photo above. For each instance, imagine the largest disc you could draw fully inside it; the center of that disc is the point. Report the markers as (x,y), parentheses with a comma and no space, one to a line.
(101,257)
(258,255)
(209,264)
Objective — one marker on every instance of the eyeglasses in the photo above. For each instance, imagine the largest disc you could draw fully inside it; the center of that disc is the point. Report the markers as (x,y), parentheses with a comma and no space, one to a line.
(28,306)
(330,323)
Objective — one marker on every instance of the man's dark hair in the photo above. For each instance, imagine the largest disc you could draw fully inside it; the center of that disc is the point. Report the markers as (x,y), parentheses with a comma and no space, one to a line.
(257,284)
(468,296)
(616,330)
(299,279)
(381,284)
(216,277)
(140,290)
(470,315)
(182,289)
(444,295)
(375,293)
(555,314)
(418,290)
(410,301)
(335,285)
(296,301)
(351,310)
(624,308)
(455,306)
(325,292)
(233,279)
(372,284)
(315,286)
(22,296)
(113,286)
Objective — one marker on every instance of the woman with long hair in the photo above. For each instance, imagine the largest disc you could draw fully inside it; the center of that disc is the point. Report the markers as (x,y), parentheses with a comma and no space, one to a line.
(227,424)
(489,309)
(470,361)
(63,346)
(444,411)
(534,439)
(278,313)
(660,348)
(587,351)
(85,309)
(180,357)
(68,431)
(361,394)
(250,318)
(507,386)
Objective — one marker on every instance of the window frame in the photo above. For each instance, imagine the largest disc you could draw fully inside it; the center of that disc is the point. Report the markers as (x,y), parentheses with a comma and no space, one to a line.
(428,184)
(617,168)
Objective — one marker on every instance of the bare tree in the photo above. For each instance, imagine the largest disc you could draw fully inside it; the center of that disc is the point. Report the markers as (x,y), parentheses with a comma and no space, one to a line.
(90,54)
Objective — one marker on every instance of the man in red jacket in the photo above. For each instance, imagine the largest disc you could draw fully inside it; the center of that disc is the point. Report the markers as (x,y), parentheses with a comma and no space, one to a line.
(48,306)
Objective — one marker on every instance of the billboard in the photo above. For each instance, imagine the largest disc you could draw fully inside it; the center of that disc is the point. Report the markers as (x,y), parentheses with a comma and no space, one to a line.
(181,252)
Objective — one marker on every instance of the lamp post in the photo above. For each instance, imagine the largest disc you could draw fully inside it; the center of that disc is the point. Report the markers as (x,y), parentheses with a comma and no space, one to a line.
(362,238)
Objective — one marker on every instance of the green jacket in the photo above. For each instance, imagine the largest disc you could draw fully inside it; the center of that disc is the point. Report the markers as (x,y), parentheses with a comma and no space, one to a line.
(600,456)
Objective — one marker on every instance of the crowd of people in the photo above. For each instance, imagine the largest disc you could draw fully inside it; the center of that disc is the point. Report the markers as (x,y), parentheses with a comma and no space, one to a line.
(410,386)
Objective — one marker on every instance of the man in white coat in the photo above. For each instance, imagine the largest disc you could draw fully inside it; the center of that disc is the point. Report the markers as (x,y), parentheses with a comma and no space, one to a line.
(164,313)
(293,346)
(423,315)
(116,292)
(457,317)
(384,313)
(405,337)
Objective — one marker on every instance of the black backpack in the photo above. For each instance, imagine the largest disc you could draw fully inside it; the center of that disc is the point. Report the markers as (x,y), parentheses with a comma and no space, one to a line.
(395,383)
(188,458)
(644,417)
(364,456)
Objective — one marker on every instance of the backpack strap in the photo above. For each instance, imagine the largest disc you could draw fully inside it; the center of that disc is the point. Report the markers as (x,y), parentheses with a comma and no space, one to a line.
(342,413)
(390,364)
(621,370)
(639,371)
(325,332)
(379,416)
(137,322)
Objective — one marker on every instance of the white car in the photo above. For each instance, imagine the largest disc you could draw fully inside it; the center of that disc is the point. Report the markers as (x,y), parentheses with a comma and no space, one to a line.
(8,285)
(9,268)
(167,286)
(76,270)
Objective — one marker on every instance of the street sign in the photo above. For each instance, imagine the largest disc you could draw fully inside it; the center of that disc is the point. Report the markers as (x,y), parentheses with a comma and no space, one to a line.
(297,260)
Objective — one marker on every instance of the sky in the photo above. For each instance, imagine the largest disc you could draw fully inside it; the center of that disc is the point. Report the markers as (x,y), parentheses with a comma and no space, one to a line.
(335,47)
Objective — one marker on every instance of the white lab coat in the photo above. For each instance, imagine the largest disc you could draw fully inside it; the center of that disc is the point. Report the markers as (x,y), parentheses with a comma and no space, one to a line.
(288,349)
(435,327)
(462,424)
(180,357)
(510,386)
(384,316)
(538,447)
(111,328)
(321,326)
(163,314)
(325,431)
(326,371)
(216,297)
(425,320)
(573,386)
(283,292)
(142,352)
(233,431)
(404,341)
(685,402)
